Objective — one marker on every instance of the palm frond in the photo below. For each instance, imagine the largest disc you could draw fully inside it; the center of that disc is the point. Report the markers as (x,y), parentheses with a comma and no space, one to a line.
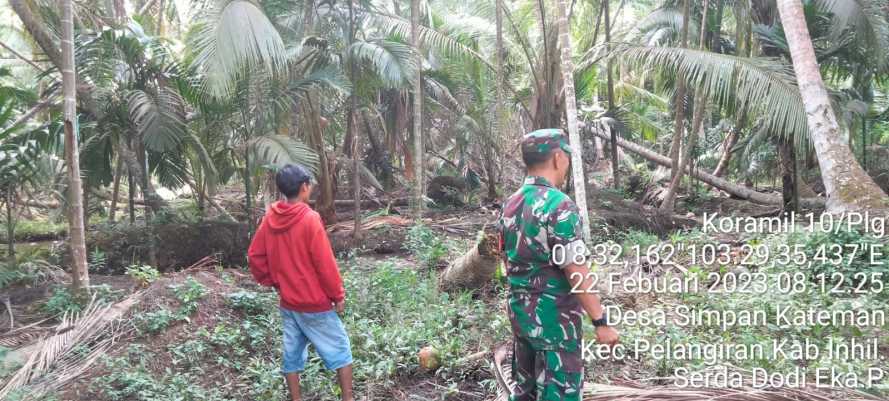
(662,23)
(393,62)
(865,19)
(232,39)
(764,86)
(275,151)
(441,94)
(158,120)
(431,39)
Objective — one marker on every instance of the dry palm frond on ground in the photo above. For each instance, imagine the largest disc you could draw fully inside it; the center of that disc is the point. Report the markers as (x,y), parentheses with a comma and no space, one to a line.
(69,350)
(370,223)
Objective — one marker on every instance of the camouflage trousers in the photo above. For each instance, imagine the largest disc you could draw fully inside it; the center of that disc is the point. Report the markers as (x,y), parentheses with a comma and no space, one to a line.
(546,375)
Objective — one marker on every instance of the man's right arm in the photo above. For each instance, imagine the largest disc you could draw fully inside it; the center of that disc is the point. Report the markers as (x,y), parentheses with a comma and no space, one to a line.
(257,258)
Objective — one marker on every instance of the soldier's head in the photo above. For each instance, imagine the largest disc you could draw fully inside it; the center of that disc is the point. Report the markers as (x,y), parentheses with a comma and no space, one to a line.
(295,182)
(546,153)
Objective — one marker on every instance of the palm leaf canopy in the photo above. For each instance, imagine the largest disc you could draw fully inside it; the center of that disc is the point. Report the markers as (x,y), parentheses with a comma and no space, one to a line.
(662,26)
(159,119)
(232,39)
(764,86)
(864,20)
(392,62)
(275,151)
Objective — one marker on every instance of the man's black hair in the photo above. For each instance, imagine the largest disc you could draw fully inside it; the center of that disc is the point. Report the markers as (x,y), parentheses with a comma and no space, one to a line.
(291,178)
(533,158)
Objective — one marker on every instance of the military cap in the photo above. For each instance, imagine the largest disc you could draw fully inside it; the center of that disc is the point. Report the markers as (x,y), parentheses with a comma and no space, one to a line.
(543,141)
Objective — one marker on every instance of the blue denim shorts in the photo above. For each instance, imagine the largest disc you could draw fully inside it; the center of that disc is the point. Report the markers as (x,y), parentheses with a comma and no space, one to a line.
(324,330)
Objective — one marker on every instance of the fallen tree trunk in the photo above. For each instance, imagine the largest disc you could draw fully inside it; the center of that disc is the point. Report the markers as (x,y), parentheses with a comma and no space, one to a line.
(367,203)
(476,267)
(712,180)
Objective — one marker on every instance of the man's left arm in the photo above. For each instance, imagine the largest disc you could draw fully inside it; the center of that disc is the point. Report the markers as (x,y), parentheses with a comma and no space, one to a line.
(325,264)
(566,230)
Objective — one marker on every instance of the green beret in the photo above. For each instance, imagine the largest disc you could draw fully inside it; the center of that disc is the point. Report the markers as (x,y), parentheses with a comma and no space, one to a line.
(543,141)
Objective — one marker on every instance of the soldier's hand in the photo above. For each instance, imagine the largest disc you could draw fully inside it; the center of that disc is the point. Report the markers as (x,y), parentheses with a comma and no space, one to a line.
(607,335)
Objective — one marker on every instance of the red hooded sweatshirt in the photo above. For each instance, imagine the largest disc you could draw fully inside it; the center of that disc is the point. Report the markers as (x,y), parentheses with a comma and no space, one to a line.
(291,252)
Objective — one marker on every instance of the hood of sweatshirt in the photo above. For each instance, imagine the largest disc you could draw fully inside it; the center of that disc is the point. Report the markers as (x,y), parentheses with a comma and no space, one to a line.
(282,215)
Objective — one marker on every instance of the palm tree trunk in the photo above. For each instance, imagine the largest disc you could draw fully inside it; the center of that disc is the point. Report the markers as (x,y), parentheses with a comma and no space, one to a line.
(727,145)
(115,190)
(740,191)
(353,132)
(80,280)
(864,142)
(715,35)
(326,188)
(130,154)
(615,167)
(419,178)
(10,225)
(571,111)
(730,142)
(248,189)
(498,4)
(669,202)
(500,118)
(161,29)
(848,186)
(548,106)
(131,197)
(120,12)
(308,17)
(787,160)
(679,122)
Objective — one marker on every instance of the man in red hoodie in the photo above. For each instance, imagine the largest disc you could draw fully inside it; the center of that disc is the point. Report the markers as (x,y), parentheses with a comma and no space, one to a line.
(291,253)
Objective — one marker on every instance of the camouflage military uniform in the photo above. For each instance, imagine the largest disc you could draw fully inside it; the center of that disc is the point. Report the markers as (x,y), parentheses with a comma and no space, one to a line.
(545,317)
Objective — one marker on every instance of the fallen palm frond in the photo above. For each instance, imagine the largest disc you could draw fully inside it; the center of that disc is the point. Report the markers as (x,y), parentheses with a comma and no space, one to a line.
(629,390)
(370,223)
(205,263)
(75,344)
(24,335)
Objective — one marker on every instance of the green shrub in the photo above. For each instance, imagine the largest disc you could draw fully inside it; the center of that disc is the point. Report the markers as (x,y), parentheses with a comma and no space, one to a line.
(143,274)
(427,247)
(97,260)
(188,294)
(643,239)
(249,301)
(63,301)
(156,321)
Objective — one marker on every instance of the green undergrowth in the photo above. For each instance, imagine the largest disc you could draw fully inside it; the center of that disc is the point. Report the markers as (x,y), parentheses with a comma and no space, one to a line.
(181,353)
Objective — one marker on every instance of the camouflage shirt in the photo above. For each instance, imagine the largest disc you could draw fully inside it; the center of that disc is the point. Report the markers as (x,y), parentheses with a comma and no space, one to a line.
(542,309)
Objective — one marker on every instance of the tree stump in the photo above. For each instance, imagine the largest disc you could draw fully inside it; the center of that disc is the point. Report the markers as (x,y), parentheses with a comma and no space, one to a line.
(476,267)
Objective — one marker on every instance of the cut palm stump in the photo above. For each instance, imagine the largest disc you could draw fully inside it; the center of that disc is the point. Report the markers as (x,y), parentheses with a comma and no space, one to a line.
(476,267)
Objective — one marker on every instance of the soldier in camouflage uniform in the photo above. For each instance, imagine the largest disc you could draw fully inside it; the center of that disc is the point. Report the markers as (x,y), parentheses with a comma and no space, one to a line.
(545,315)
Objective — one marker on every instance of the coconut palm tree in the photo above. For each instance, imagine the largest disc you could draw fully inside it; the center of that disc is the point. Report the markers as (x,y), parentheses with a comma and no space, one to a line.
(578,178)
(419,178)
(848,186)
(80,280)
